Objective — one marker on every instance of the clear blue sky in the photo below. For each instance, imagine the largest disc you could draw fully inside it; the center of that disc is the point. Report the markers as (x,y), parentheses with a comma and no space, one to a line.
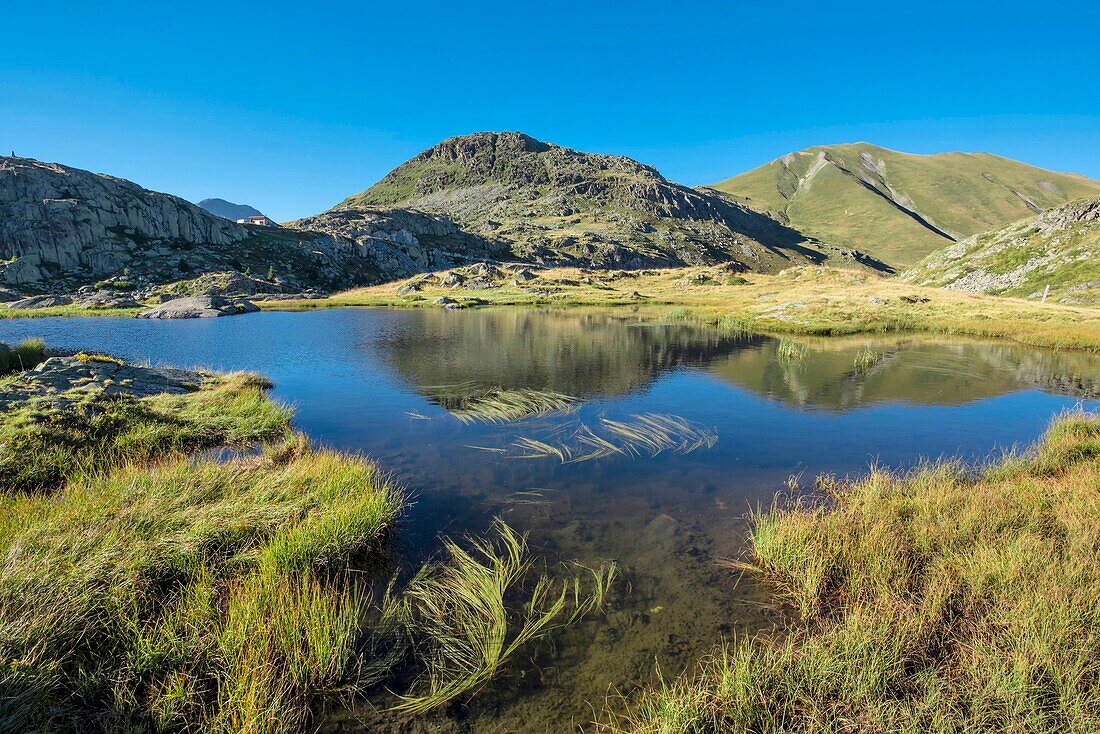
(292,106)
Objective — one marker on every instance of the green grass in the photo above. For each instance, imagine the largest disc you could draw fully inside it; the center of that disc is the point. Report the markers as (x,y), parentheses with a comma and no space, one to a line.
(959,193)
(942,600)
(190,596)
(71,310)
(43,443)
(26,355)
(791,351)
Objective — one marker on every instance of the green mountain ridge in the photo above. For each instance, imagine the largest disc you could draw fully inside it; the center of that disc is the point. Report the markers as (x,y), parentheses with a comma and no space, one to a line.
(1059,249)
(899,207)
(541,202)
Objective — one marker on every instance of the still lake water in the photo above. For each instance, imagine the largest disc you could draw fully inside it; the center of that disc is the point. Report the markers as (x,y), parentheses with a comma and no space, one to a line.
(377,381)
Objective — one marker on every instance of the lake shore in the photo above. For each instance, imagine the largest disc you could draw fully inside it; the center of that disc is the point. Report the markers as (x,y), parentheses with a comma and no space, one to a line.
(942,600)
(805,300)
(810,301)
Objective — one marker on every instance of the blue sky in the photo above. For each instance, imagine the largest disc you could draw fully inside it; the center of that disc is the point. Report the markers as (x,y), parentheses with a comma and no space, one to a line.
(293,106)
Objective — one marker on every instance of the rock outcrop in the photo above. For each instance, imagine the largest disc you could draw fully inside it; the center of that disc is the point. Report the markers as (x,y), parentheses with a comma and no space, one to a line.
(199,307)
(64,380)
(1059,250)
(399,242)
(62,228)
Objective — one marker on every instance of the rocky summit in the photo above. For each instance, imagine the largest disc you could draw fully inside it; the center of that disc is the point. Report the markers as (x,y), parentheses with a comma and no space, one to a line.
(510,195)
(62,228)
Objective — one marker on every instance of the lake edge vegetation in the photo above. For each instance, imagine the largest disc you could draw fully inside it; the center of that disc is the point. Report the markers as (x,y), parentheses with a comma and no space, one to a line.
(145,587)
(944,599)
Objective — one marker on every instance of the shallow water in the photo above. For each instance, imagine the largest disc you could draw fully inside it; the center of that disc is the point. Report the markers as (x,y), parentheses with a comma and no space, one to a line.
(381,382)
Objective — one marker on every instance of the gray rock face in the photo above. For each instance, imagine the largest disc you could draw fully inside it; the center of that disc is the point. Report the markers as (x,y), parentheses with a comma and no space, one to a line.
(199,307)
(55,219)
(62,228)
(106,299)
(399,243)
(73,377)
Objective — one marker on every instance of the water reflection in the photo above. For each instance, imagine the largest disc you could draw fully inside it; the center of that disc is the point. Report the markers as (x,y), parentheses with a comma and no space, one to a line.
(601,355)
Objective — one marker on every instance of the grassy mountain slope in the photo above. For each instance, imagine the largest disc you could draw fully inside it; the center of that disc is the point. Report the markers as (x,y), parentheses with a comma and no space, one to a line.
(546,203)
(1059,248)
(897,206)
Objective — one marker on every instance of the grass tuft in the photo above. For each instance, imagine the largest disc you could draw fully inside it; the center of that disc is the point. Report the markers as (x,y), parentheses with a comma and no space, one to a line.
(26,355)
(942,600)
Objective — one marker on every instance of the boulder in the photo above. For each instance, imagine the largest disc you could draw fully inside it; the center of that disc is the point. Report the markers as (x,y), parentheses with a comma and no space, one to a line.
(483,270)
(452,280)
(446,302)
(199,307)
(523,275)
(479,284)
(107,299)
(40,302)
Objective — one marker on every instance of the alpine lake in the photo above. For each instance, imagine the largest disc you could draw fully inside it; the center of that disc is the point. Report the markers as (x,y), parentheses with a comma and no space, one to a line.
(608,435)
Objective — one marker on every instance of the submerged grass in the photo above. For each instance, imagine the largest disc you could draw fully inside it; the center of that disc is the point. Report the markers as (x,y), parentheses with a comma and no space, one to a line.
(942,600)
(648,434)
(472,404)
(463,616)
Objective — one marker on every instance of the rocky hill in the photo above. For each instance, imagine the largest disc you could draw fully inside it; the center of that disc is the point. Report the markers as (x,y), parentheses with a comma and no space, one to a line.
(62,228)
(510,195)
(899,207)
(1059,248)
(229,210)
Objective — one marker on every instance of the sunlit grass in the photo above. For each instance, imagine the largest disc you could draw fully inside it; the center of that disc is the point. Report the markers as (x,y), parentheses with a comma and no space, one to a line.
(825,302)
(42,445)
(197,594)
(942,600)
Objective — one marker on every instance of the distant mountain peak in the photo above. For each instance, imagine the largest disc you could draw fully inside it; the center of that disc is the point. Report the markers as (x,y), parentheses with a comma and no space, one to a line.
(896,206)
(229,210)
